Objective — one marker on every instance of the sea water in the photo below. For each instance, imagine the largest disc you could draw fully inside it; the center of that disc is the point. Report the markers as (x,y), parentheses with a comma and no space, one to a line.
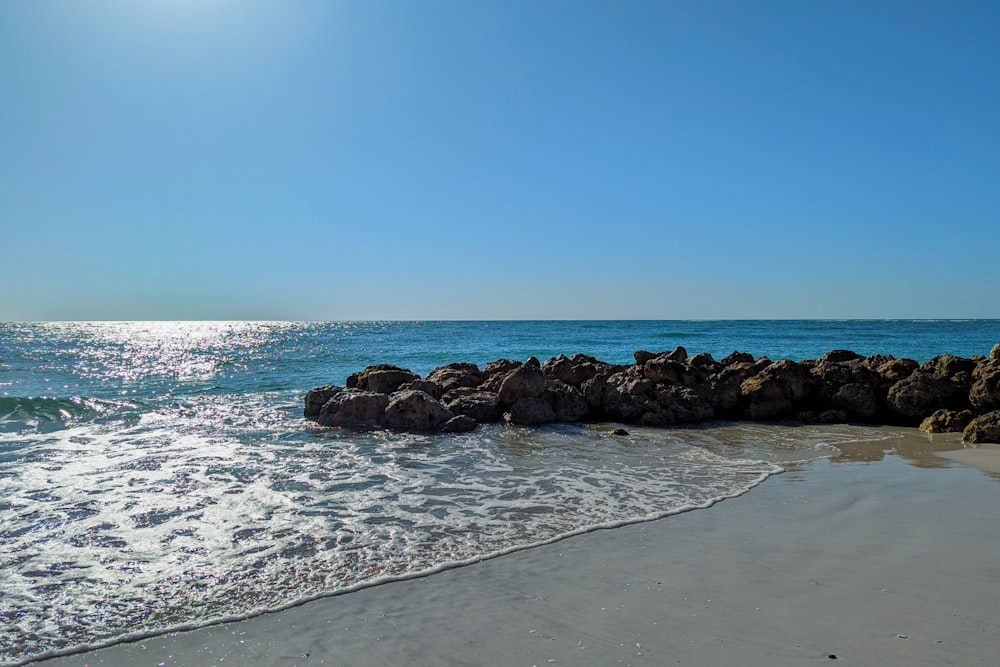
(159,475)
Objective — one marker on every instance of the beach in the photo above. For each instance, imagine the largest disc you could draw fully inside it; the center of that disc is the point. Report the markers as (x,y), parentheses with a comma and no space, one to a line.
(885,554)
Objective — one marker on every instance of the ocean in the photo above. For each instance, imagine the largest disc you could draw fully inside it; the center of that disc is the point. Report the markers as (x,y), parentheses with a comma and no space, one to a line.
(156,476)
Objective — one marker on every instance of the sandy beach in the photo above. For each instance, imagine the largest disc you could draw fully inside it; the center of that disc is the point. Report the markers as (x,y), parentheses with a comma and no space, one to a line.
(884,555)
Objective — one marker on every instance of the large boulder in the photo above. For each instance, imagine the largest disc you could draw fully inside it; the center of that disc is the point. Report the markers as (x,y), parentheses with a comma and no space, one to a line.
(483,406)
(526,381)
(353,407)
(947,421)
(985,391)
(316,398)
(776,390)
(628,395)
(663,370)
(684,405)
(983,429)
(849,385)
(573,371)
(459,424)
(530,411)
(418,411)
(917,396)
(737,357)
(495,372)
(456,375)
(568,403)
(426,386)
(387,378)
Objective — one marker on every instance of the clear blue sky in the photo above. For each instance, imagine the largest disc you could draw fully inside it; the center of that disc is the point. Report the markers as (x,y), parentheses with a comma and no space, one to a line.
(544,159)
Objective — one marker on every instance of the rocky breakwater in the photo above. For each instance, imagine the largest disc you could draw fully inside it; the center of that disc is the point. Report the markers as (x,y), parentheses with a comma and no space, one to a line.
(945,394)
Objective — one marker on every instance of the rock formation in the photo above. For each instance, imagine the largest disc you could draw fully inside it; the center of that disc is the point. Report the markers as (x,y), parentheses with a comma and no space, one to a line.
(945,394)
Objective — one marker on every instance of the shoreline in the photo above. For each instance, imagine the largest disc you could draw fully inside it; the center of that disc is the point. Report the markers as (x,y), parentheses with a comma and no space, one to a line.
(881,554)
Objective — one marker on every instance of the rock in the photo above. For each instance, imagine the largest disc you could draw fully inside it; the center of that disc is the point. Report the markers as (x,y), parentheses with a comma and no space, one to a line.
(619,431)
(530,411)
(573,372)
(642,356)
(662,370)
(627,396)
(774,391)
(533,361)
(425,386)
(360,380)
(947,421)
(415,411)
(849,385)
(677,354)
(459,424)
(316,398)
(522,382)
(702,360)
(568,403)
(483,406)
(837,356)
(725,385)
(983,429)
(593,389)
(454,376)
(948,365)
(984,395)
(995,352)
(735,357)
(686,405)
(386,381)
(354,407)
(916,397)
(495,372)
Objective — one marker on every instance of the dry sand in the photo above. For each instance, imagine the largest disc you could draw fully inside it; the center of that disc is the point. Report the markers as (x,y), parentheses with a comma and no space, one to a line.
(876,558)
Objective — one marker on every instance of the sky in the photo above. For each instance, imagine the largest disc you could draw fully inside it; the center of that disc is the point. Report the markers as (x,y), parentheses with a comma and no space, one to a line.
(547,159)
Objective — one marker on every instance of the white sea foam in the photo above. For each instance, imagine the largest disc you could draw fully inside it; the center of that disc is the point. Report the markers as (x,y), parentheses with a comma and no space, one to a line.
(113,533)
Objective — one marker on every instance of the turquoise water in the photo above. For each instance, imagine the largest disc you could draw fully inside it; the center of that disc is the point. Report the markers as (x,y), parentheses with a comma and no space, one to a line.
(160,475)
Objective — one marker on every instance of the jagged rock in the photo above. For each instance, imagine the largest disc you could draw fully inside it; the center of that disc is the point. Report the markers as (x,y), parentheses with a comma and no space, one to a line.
(985,391)
(725,385)
(573,372)
(837,356)
(354,407)
(426,386)
(995,352)
(495,372)
(593,389)
(736,357)
(483,406)
(522,382)
(702,360)
(849,385)
(944,382)
(662,370)
(686,405)
(627,396)
(677,354)
(386,381)
(530,411)
(983,429)
(533,361)
(360,380)
(568,403)
(773,392)
(642,356)
(316,398)
(459,424)
(457,375)
(415,411)
(947,421)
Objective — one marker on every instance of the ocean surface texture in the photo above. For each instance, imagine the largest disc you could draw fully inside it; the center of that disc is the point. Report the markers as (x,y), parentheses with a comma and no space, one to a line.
(159,475)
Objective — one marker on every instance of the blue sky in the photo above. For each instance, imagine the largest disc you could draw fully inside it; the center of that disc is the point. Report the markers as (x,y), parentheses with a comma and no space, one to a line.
(199,159)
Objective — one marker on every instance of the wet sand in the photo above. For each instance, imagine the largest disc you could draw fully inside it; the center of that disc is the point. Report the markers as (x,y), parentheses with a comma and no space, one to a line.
(887,554)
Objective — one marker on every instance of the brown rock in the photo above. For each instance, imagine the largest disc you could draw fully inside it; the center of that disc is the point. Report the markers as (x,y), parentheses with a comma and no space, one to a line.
(568,403)
(530,411)
(983,429)
(522,382)
(415,411)
(984,395)
(454,376)
(316,398)
(947,421)
(354,407)
(483,406)
(495,372)
(386,381)
(459,424)
(425,386)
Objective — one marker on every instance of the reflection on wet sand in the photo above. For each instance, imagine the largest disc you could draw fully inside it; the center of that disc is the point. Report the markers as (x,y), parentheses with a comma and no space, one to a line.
(923,450)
